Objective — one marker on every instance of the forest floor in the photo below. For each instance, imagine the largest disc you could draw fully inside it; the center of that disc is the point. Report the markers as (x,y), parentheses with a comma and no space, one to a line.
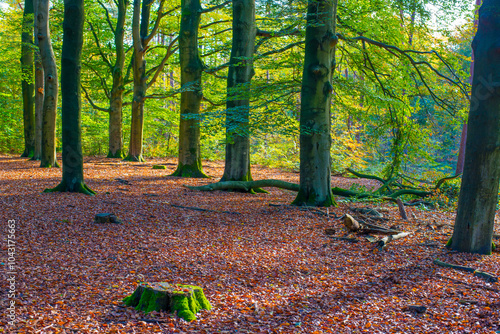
(264,269)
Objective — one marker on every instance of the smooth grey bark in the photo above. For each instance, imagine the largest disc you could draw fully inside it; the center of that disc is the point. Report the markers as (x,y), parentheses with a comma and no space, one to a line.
(116,100)
(142,36)
(463,135)
(241,71)
(189,164)
(39,96)
(48,157)
(28,85)
(315,123)
(478,198)
(140,22)
(39,92)
(72,158)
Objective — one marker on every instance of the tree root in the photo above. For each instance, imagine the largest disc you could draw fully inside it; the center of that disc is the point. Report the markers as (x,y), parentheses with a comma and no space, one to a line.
(134,158)
(247,186)
(481,274)
(75,188)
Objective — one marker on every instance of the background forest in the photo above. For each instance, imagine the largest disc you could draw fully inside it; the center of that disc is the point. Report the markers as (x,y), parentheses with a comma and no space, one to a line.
(386,114)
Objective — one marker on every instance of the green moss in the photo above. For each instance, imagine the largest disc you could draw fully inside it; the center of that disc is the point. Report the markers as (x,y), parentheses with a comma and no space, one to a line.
(194,171)
(159,167)
(493,247)
(119,154)
(448,243)
(134,158)
(186,300)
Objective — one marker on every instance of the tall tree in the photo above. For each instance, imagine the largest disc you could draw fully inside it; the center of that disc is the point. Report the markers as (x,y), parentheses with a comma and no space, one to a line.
(478,198)
(241,71)
(115,110)
(463,136)
(315,138)
(142,36)
(191,69)
(48,158)
(28,86)
(116,103)
(72,158)
(39,92)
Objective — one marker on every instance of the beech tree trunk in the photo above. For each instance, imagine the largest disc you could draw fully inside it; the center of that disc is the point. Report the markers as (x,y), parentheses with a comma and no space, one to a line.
(28,85)
(72,158)
(39,94)
(315,138)
(237,163)
(463,136)
(116,103)
(140,23)
(478,198)
(48,158)
(39,91)
(191,69)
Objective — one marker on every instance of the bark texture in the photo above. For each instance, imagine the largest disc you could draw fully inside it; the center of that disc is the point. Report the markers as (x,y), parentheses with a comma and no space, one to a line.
(463,136)
(237,162)
(28,85)
(191,69)
(39,94)
(315,138)
(479,192)
(72,158)
(116,102)
(140,22)
(48,158)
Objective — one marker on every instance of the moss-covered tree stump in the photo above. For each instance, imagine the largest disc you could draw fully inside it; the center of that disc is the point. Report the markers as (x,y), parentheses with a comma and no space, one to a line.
(186,300)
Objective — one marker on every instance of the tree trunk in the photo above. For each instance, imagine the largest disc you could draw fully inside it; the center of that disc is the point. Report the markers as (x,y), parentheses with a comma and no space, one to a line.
(237,163)
(191,70)
(463,136)
(72,158)
(49,112)
(479,192)
(315,138)
(28,87)
(39,94)
(139,31)
(116,103)
(461,149)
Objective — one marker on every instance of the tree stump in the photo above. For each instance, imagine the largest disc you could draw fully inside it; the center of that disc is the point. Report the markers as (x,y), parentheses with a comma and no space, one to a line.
(106,218)
(186,300)
(350,223)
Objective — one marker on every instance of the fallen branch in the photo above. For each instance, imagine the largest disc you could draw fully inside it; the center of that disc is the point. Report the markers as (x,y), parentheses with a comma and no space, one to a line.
(481,274)
(353,240)
(385,240)
(201,209)
(373,228)
(477,286)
